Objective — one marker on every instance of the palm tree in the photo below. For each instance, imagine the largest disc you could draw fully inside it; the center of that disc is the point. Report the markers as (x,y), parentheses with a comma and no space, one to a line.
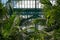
(51,14)
(8,25)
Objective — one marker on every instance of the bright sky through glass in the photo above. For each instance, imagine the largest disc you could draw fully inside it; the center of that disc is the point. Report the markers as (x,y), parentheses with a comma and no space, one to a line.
(27,4)
(4,1)
(53,2)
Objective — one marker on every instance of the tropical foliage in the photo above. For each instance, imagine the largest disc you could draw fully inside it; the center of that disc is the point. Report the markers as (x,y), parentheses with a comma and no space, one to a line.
(52,13)
(10,29)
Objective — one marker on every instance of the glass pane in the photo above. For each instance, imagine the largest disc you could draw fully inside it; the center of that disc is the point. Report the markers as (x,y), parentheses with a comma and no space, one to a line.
(27,4)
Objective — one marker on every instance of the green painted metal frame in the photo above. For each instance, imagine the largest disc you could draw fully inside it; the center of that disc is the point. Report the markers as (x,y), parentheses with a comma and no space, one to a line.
(26,11)
(35,12)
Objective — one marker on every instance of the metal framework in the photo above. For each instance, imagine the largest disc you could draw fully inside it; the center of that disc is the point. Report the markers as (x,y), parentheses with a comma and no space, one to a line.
(29,7)
(24,7)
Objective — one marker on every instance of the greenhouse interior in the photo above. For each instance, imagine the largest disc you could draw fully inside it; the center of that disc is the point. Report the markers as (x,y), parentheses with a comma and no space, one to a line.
(29,19)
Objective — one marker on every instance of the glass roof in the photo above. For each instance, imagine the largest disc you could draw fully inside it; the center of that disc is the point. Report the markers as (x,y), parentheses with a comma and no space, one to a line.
(26,4)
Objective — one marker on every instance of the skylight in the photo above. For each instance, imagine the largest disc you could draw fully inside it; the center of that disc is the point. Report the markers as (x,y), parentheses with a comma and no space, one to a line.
(27,4)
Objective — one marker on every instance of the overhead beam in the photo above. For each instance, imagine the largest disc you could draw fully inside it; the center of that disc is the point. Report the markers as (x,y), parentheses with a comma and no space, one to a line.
(16,0)
(27,9)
